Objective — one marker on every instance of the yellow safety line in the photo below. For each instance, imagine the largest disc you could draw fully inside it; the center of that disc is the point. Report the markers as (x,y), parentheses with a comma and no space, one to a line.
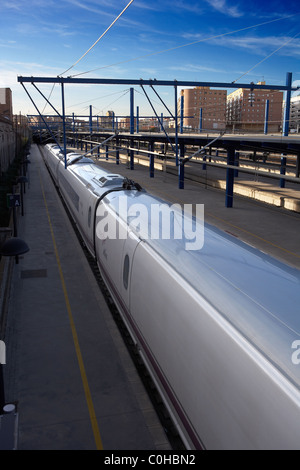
(75,337)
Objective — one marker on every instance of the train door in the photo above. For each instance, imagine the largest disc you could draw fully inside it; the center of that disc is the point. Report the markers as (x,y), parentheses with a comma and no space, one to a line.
(109,250)
(89,214)
(129,248)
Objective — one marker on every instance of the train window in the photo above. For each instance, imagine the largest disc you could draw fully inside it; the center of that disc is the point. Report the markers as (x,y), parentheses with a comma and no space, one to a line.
(126,271)
(89,216)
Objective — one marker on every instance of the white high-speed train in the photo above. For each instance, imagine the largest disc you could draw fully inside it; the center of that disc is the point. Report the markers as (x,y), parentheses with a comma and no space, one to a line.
(218,327)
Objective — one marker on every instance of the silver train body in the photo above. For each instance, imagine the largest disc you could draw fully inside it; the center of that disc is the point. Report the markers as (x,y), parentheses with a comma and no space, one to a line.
(218,327)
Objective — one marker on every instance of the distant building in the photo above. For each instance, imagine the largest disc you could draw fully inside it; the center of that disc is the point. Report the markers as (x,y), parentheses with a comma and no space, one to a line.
(295,114)
(6,110)
(246,109)
(212,103)
(124,123)
(110,120)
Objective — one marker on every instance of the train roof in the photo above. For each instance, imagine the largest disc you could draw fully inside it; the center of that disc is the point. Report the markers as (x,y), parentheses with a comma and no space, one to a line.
(257,294)
(94,177)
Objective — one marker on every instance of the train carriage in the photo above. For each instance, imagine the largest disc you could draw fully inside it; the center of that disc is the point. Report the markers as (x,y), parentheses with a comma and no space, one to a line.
(218,327)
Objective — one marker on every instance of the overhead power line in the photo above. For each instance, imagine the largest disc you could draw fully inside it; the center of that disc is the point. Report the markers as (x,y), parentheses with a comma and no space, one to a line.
(97,98)
(108,106)
(127,6)
(185,45)
(272,53)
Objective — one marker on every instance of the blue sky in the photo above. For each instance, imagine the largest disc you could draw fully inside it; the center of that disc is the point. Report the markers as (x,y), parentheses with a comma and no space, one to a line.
(208,40)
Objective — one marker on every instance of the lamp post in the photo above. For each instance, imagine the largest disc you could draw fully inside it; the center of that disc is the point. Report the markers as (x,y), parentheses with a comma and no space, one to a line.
(14,246)
(22,180)
(25,164)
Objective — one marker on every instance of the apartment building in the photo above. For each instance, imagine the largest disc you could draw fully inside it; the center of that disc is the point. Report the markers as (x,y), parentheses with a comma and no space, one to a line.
(295,114)
(246,109)
(6,110)
(206,102)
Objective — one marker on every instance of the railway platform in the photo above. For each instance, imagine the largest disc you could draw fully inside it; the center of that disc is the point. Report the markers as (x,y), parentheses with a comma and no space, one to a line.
(68,373)
(67,369)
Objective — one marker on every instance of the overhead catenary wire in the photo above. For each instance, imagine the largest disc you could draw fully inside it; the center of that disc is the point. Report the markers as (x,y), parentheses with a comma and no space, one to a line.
(48,98)
(125,93)
(103,34)
(184,45)
(127,6)
(159,52)
(98,98)
(159,120)
(267,57)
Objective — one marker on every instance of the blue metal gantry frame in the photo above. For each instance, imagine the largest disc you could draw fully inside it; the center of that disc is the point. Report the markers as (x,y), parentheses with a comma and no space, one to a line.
(174,83)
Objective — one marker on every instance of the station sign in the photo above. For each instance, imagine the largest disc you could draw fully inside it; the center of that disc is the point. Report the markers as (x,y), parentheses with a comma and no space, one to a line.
(13,200)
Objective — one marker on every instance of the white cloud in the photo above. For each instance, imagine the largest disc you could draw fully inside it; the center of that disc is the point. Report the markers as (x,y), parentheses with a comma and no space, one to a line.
(169,5)
(189,67)
(151,72)
(7,43)
(256,44)
(222,7)
(263,45)
(97,7)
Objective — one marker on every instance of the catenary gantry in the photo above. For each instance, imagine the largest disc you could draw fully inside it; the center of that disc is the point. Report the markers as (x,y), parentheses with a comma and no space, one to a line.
(230,143)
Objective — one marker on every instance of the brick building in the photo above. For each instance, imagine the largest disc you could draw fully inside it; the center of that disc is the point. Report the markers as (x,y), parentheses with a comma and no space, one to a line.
(212,102)
(6,110)
(246,109)
(295,114)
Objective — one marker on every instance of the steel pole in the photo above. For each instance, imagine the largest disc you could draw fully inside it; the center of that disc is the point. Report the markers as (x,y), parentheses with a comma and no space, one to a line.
(131,110)
(176,125)
(229,178)
(181,113)
(137,119)
(287,108)
(266,117)
(64,123)
(200,120)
